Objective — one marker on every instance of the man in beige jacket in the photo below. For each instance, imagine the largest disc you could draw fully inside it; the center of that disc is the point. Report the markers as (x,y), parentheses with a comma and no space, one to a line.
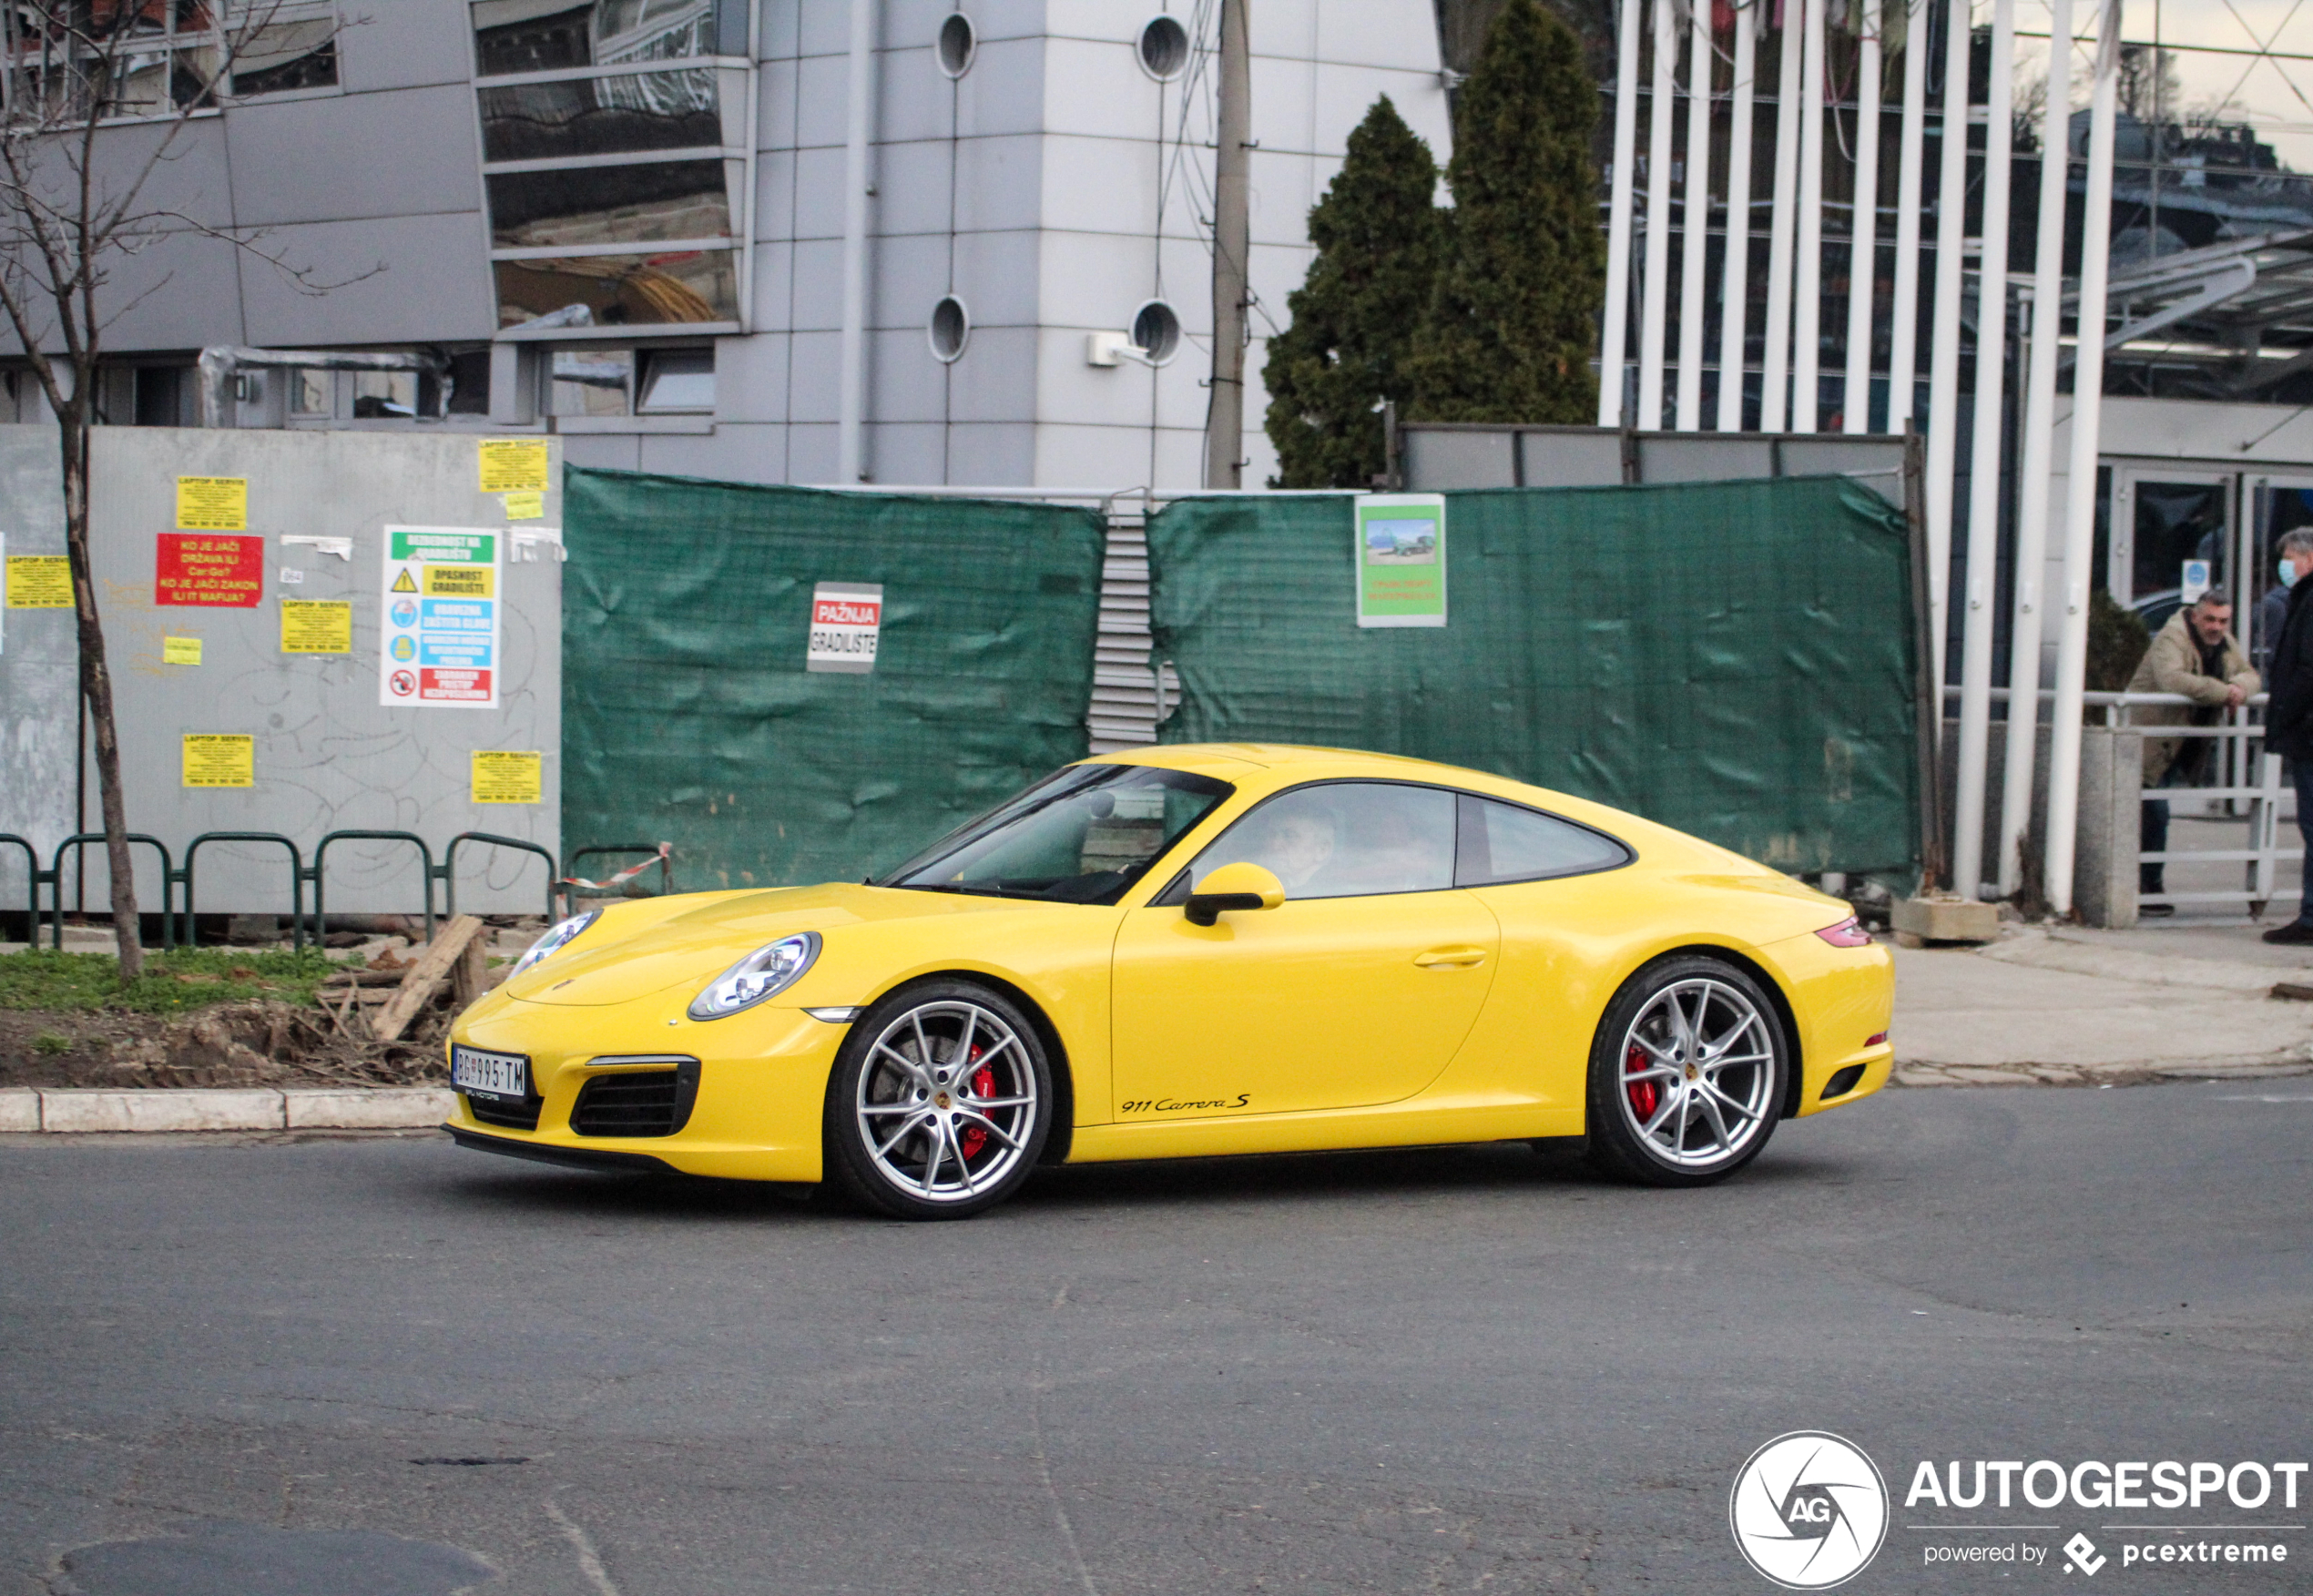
(2196,655)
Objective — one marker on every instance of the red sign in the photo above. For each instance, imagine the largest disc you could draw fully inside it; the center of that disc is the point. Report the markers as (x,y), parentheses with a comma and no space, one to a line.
(210,568)
(847,612)
(437,685)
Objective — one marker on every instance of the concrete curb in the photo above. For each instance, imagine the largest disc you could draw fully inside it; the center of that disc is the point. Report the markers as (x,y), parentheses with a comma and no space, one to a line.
(84,1110)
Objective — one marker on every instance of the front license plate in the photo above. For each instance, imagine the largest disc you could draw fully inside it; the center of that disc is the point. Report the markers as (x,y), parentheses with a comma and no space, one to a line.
(493,1074)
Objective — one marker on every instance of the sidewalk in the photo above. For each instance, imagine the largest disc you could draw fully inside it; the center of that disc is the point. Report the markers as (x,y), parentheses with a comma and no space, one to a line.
(2079,1007)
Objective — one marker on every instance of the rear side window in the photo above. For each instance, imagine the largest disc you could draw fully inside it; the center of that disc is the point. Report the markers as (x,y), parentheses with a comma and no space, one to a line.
(1503,842)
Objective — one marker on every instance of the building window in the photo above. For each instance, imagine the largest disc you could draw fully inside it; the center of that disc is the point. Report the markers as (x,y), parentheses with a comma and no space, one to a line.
(592,382)
(311,394)
(624,382)
(170,56)
(677,381)
(570,97)
(380,395)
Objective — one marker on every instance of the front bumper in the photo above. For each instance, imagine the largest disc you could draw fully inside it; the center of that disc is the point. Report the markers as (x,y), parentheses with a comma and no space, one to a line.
(760,1099)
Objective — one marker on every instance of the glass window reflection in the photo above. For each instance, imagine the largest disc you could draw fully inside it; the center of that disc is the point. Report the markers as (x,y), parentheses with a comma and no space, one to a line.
(540,36)
(591,382)
(609,290)
(608,205)
(606,116)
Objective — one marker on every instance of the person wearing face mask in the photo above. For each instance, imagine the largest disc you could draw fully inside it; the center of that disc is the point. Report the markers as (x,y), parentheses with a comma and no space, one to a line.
(2271,610)
(2194,656)
(2288,716)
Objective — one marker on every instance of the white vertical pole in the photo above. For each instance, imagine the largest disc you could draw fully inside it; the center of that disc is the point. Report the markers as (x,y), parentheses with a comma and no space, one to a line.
(1903,323)
(2035,474)
(1775,392)
(1695,229)
(2080,494)
(1734,286)
(1863,230)
(1652,311)
(1807,322)
(1615,336)
(1984,461)
(1943,356)
(851,405)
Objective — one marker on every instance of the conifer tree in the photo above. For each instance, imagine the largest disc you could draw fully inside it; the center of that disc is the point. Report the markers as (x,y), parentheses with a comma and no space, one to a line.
(1356,314)
(1512,328)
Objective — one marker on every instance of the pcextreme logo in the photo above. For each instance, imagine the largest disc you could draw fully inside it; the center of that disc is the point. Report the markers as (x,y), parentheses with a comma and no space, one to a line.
(1808,1510)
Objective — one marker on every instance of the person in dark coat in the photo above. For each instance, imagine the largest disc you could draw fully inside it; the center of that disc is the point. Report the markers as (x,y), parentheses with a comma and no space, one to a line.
(2289,714)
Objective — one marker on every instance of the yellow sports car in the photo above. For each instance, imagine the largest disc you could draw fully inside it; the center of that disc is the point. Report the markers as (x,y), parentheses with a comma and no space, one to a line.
(1187,952)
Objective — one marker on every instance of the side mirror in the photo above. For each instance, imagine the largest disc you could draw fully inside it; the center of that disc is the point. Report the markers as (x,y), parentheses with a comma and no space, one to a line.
(1237,886)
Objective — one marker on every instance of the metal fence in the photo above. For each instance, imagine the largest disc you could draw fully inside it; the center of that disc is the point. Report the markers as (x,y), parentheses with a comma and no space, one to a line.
(178,882)
(2249,786)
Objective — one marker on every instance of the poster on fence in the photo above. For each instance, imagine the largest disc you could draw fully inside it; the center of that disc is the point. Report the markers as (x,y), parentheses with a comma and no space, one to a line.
(438,646)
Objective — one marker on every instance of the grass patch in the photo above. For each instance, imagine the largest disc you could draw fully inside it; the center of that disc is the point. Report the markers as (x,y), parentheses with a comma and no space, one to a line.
(174,982)
(51,1044)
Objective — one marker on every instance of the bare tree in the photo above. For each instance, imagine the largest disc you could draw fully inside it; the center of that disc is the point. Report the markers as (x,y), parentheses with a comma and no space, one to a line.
(94,98)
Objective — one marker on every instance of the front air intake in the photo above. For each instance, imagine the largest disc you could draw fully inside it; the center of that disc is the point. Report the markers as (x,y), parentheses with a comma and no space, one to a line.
(637,1102)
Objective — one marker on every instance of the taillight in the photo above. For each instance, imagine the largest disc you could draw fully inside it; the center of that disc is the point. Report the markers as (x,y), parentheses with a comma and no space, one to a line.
(1877,1040)
(1848,933)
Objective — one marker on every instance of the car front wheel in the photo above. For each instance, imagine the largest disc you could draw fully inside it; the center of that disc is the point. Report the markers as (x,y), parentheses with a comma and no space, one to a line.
(1687,1075)
(940,1102)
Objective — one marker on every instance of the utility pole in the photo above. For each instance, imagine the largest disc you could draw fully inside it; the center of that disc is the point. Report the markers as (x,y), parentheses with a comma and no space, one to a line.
(1232,228)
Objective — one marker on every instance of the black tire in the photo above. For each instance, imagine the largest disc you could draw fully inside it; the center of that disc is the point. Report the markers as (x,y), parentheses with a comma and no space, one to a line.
(946,1142)
(1665,1110)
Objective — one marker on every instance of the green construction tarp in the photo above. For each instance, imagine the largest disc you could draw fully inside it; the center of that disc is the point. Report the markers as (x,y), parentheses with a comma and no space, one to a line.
(1734,660)
(689,716)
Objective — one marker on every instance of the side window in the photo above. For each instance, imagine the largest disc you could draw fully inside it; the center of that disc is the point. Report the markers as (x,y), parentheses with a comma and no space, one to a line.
(1502,842)
(1345,839)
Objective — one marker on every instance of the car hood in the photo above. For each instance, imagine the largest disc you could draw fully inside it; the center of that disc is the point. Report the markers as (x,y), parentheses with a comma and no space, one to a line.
(693,945)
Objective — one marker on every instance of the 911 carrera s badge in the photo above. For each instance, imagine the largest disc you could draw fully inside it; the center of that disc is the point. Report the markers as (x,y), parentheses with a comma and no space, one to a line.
(1808,1510)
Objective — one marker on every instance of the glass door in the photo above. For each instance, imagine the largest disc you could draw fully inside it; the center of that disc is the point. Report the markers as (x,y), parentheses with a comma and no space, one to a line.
(2278,506)
(2172,533)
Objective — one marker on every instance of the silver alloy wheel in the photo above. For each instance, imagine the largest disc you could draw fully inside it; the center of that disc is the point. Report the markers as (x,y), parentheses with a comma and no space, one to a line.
(947,1101)
(1698,1074)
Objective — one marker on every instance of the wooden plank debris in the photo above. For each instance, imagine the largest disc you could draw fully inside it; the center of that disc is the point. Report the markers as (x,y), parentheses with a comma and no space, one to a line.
(425,977)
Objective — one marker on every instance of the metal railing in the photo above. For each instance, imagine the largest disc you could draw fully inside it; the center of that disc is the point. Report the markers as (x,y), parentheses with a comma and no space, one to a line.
(179,884)
(2249,787)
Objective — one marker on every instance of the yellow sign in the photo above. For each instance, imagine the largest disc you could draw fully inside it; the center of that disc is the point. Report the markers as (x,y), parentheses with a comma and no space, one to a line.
(221,759)
(39,582)
(317,626)
(402,583)
(513,466)
(506,778)
(181,651)
(212,503)
(461,581)
(531,506)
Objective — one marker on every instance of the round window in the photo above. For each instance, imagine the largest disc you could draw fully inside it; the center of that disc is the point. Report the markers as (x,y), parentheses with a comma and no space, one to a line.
(950,331)
(957,43)
(1164,48)
(1155,331)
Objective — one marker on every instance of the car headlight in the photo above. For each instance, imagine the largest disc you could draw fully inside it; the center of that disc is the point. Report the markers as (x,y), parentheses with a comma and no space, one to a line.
(772,968)
(555,938)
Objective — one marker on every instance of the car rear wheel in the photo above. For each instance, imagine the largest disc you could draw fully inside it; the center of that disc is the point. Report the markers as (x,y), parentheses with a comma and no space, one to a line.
(1687,1073)
(940,1102)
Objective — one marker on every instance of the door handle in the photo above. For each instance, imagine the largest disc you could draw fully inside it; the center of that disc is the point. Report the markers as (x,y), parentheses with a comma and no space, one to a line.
(1451,959)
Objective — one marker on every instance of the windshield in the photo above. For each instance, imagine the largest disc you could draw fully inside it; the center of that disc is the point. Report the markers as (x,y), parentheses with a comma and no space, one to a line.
(1082,835)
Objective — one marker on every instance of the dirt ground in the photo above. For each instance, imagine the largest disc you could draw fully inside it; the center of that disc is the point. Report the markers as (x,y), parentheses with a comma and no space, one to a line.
(234,1045)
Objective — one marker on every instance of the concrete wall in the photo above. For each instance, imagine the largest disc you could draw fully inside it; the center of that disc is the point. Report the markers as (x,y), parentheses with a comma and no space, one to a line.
(39,665)
(328,754)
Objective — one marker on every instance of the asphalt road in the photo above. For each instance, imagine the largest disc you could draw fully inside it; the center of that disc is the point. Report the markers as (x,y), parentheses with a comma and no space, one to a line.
(383,1365)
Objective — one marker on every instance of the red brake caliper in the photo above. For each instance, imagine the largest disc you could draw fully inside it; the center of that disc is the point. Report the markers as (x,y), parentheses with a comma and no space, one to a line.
(1644,1094)
(983,1084)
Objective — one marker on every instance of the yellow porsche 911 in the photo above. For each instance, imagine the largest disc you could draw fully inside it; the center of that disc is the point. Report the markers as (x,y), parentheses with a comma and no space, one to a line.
(1187,952)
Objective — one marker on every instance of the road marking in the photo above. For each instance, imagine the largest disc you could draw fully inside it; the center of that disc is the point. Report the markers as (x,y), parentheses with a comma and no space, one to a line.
(589,1563)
